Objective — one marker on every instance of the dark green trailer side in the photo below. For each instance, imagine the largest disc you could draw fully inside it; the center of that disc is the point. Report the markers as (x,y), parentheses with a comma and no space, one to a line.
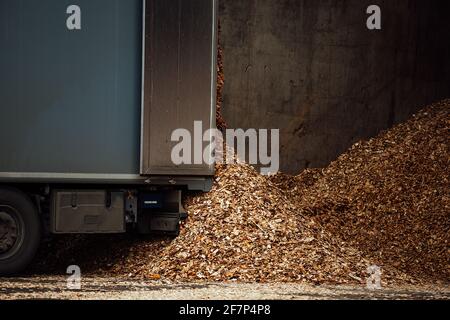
(70,99)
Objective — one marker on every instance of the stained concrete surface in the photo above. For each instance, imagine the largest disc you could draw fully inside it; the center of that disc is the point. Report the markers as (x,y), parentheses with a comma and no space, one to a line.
(312,69)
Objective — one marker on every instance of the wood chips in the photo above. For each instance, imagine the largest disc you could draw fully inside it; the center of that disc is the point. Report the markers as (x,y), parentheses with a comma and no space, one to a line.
(220,121)
(385,202)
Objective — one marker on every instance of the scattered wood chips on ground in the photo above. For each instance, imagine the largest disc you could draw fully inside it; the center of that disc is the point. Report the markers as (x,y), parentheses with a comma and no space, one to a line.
(385,202)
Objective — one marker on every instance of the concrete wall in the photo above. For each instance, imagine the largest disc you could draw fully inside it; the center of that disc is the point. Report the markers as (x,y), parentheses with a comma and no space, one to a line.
(313,69)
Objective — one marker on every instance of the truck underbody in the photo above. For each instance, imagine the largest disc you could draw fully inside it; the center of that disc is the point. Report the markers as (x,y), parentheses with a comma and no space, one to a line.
(29,212)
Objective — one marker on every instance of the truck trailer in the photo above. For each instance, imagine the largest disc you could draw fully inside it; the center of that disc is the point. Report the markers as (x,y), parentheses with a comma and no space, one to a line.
(90,94)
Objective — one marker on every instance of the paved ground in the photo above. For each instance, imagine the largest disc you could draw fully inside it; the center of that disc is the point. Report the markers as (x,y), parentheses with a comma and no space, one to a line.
(56,288)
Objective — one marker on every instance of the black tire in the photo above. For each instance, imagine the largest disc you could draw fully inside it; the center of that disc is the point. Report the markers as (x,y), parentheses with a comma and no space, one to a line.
(23,213)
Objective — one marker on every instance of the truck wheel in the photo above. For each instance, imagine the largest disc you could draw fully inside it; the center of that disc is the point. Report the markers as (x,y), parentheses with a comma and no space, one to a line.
(20,231)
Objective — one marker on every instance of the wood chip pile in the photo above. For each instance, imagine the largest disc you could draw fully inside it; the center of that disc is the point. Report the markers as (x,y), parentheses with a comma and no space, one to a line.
(389,197)
(220,121)
(247,229)
(385,202)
